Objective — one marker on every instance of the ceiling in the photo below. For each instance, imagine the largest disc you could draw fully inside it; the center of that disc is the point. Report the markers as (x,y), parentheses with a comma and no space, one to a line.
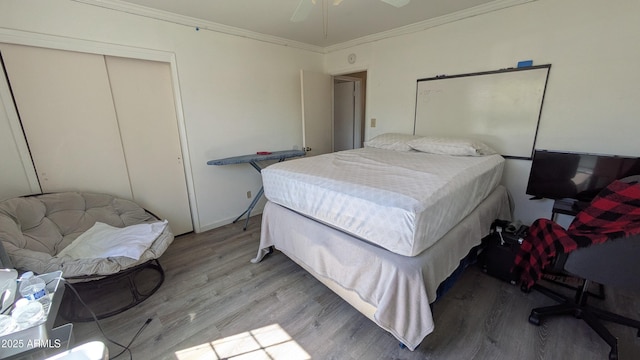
(345,22)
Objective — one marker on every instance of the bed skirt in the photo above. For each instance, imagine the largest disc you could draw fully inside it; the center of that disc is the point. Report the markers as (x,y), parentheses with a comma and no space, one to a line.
(396,289)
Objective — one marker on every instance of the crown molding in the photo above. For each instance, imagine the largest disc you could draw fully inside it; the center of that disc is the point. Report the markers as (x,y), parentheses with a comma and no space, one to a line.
(427,24)
(197,23)
(230,30)
(20,37)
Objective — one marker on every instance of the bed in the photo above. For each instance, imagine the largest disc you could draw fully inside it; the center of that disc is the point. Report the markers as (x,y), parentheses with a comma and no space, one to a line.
(383,226)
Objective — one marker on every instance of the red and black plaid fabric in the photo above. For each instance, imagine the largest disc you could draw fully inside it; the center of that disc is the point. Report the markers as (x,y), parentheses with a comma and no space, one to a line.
(614,213)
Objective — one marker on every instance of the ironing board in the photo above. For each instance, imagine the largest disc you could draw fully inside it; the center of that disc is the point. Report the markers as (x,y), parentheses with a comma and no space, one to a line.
(253,160)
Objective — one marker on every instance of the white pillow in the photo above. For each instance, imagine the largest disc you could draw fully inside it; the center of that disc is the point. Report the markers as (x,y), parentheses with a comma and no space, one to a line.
(451,146)
(391,141)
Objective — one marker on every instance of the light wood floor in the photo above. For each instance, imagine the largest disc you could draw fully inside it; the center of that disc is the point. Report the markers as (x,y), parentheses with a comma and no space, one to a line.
(214,302)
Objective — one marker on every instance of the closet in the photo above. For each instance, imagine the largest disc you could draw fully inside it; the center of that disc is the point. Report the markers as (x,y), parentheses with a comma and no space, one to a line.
(102,124)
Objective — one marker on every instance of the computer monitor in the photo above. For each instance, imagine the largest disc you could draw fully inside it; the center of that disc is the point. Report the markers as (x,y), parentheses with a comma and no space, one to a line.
(579,176)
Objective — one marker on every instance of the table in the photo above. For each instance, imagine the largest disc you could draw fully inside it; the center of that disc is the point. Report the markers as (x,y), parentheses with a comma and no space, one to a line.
(42,337)
(253,159)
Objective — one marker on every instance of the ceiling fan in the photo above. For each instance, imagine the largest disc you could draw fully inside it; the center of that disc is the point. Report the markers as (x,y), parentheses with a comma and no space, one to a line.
(305,6)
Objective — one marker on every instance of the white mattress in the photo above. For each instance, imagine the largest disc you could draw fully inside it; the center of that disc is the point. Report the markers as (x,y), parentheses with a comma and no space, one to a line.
(401,201)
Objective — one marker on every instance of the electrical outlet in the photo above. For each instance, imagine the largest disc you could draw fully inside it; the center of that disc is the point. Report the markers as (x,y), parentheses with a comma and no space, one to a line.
(248,194)
(373,122)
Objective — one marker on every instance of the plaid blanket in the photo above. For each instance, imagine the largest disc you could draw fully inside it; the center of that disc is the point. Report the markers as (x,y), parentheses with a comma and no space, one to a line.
(613,213)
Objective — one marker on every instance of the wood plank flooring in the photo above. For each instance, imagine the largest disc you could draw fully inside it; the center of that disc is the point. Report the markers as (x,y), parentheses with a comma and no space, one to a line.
(215,304)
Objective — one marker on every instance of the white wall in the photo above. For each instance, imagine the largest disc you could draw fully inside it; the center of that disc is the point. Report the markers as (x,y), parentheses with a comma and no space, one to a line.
(239,95)
(592,93)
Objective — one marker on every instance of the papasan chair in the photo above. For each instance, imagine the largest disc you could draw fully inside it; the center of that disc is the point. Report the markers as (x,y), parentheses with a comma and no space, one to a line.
(38,233)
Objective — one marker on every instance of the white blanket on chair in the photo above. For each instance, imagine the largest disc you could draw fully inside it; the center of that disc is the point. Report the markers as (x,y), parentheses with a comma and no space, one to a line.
(103,241)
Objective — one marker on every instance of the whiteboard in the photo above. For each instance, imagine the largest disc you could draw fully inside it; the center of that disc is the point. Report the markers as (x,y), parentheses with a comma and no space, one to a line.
(500,108)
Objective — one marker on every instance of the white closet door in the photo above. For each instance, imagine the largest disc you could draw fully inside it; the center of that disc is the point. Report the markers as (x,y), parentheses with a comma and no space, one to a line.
(65,105)
(143,97)
(15,179)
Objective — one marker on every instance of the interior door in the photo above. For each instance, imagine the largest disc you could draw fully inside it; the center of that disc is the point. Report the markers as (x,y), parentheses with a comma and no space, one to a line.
(317,128)
(343,115)
(81,149)
(143,97)
(358,115)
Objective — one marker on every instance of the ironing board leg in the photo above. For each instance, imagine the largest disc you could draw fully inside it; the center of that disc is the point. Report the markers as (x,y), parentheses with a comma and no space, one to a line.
(256,199)
(251,206)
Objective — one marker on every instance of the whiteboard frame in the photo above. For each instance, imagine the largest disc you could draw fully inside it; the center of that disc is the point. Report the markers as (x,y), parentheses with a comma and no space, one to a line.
(496,140)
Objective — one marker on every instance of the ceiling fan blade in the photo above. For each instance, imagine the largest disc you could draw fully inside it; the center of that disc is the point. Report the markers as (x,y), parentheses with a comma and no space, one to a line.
(302,11)
(397,3)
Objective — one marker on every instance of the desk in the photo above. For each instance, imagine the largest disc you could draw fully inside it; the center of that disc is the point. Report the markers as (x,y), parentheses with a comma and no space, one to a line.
(253,159)
(569,207)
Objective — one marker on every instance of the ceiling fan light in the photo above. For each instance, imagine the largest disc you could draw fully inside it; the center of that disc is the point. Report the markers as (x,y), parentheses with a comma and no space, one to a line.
(397,3)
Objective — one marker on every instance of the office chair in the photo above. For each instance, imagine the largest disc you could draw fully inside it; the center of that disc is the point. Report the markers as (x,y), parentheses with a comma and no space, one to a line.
(594,264)
(611,263)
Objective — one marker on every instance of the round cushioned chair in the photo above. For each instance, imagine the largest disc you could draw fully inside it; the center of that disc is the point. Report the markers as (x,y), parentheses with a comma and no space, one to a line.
(35,229)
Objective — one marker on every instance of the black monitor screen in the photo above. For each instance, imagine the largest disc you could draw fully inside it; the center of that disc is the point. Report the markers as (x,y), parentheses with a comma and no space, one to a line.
(557,175)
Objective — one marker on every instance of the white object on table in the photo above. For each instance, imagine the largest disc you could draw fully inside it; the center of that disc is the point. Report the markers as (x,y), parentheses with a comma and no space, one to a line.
(7,288)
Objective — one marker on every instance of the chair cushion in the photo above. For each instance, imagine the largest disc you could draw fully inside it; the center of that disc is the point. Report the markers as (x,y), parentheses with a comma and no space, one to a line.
(35,229)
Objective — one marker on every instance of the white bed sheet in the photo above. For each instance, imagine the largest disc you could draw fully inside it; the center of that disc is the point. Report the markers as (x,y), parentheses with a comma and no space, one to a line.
(400,288)
(402,201)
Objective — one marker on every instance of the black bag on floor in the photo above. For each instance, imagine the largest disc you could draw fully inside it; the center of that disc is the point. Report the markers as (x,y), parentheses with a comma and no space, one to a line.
(499,250)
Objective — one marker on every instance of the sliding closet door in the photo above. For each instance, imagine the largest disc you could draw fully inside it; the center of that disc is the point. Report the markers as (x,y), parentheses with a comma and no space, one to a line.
(66,109)
(17,168)
(143,97)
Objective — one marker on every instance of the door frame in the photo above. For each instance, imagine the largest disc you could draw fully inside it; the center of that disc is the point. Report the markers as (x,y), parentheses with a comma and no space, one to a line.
(347,75)
(94,47)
